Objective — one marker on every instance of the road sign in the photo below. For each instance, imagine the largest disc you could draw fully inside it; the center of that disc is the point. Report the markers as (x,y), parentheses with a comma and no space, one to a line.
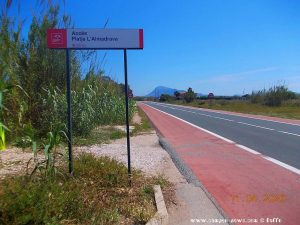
(95,38)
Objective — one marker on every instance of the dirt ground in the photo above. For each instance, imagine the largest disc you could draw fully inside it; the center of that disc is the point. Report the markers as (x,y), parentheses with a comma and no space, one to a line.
(136,119)
(13,161)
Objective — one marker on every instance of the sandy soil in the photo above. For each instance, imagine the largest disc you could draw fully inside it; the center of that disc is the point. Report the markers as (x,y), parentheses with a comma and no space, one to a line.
(13,161)
(136,119)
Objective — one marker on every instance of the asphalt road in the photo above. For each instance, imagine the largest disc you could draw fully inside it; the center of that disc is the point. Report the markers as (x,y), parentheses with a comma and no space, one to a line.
(278,140)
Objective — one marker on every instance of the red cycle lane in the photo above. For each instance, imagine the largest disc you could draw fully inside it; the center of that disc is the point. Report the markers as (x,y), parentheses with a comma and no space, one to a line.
(245,185)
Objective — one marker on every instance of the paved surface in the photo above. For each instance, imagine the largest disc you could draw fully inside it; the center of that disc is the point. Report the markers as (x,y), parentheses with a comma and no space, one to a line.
(278,140)
(245,185)
(193,204)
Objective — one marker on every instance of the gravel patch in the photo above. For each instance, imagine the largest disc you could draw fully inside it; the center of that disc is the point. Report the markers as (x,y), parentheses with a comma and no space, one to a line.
(123,128)
(146,152)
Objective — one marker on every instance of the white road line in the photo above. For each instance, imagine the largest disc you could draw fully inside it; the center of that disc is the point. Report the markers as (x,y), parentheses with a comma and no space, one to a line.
(221,118)
(293,169)
(232,114)
(248,149)
(298,135)
(277,162)
(252,125)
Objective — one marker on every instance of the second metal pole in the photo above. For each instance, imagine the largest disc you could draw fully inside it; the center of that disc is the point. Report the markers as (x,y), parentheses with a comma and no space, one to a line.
(127,116)
(69,101)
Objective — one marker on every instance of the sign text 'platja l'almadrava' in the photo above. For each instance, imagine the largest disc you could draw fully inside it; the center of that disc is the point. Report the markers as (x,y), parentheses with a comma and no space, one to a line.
(95,38)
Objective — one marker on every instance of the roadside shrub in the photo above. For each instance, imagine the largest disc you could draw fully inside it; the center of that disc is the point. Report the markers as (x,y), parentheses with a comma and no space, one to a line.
(201,102)
(83,111)
(277,94)
(166,98)
(27,136)
(54,110)
(272,97)
(92,106)
(223,102)
(257,97)
(190,95)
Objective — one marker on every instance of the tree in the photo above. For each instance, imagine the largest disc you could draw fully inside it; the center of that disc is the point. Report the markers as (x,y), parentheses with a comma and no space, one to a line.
(190,95)
(163,98)
(177,94)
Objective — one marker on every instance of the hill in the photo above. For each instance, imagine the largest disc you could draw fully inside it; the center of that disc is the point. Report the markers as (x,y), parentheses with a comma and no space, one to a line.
(158,91)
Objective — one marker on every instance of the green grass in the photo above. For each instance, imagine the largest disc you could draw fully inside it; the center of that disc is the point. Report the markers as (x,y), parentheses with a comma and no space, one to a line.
(97,194)
(100,135)
(144,126)
(289,111)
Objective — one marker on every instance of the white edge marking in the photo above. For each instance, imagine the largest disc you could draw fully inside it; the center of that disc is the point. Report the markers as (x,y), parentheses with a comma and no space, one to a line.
(286,166)
(293,169)
(288,133)
(248,149)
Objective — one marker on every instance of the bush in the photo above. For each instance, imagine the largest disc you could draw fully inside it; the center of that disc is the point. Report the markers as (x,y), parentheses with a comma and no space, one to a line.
(166,98)
(277,94)
(54,110)
(272,97)
(93,105)
(190,95)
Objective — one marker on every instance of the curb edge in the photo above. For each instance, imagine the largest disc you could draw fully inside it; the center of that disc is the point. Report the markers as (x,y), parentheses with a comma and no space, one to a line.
(161,217)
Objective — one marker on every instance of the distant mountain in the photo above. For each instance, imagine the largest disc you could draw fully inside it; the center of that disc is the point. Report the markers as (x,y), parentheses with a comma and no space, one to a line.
(158,91)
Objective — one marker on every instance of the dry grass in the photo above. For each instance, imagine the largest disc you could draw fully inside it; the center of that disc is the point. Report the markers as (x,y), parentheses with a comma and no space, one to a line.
(144,125)
(99,135)
(98,193)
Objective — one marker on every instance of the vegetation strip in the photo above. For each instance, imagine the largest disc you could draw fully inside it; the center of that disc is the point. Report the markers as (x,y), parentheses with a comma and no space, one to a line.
(97,194)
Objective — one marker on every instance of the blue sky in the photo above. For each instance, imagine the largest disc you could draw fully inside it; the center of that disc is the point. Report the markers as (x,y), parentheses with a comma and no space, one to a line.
(225,47)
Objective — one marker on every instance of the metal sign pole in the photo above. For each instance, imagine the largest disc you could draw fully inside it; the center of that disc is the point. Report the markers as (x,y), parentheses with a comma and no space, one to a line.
(69,98)
(127,116)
